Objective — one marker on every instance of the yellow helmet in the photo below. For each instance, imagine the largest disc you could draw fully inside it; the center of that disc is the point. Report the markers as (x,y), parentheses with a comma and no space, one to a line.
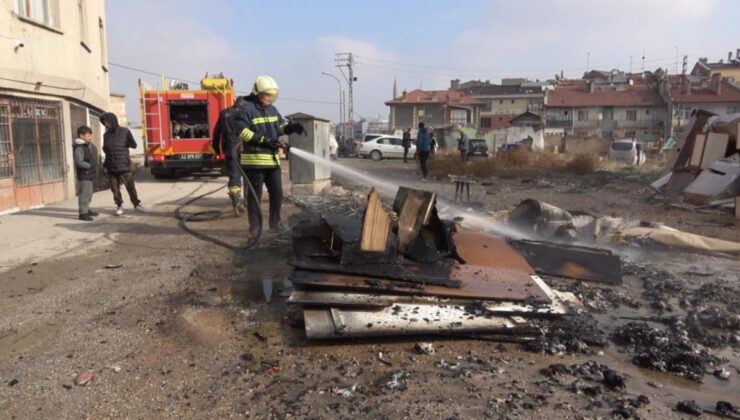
(265,84)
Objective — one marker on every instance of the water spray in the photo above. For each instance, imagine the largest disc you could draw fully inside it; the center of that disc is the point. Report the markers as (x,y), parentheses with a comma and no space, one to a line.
(447,209)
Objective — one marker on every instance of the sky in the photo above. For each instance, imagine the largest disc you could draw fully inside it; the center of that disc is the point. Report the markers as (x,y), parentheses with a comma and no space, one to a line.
(419,43)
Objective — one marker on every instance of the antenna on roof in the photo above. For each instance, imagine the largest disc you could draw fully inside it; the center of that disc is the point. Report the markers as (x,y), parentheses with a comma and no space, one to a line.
(643,60)
(588,61)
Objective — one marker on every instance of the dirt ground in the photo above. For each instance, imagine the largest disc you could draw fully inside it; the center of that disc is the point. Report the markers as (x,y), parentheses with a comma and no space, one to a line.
(181,328)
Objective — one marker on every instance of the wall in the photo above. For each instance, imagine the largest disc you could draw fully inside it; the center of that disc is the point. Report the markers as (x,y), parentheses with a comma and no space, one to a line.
(509,106)
(434,115)
(404,116)
(118,107)
(54,65)
(587,145)
(55,57)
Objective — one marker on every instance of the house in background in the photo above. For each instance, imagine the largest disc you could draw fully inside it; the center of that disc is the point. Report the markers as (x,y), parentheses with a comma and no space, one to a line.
(730,68)
(53,78)
(439,110)
(501,103)
(609,105)
(683,94)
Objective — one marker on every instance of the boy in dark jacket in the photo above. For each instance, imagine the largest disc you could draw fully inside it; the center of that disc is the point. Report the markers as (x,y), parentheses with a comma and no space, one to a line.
(86,165)
(116,142)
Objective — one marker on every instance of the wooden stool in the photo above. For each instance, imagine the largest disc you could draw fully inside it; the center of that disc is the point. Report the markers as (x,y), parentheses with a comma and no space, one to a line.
(462,186)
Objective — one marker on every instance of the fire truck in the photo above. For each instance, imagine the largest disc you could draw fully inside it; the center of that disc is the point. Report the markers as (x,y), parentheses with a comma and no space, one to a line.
(178,124)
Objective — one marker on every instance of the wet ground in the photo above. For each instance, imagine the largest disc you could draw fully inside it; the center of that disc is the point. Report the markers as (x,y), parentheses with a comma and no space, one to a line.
(182,329)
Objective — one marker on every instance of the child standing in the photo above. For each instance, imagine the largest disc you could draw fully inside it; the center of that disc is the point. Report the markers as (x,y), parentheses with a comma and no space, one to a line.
(86,166)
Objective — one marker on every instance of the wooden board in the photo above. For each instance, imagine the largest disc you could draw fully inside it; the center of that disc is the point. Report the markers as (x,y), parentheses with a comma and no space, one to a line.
(576,262)
(499,285)
(437,274)
(414,208)
(714,148)
(486,250)
(698,152)
(376,225)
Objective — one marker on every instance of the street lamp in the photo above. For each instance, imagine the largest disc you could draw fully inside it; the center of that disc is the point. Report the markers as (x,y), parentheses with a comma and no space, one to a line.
(341,106)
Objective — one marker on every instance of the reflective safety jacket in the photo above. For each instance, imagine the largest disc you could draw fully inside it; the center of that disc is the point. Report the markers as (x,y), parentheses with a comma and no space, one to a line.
(256,126)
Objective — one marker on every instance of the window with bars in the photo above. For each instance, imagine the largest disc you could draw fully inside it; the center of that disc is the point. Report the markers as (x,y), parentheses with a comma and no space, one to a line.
(458,116)
(6,164)
(631,115)
(37,139)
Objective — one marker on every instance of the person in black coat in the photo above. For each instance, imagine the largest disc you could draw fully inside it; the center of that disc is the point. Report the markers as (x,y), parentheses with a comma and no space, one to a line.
(116,142)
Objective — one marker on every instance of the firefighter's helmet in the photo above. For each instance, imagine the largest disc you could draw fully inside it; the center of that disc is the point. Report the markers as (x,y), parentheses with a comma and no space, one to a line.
(265,84)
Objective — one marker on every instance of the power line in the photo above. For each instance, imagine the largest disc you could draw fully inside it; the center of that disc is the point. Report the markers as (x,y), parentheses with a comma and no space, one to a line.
(151,73)
(417,68)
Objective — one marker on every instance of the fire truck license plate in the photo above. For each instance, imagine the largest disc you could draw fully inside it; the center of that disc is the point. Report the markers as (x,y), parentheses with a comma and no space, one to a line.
(191,156)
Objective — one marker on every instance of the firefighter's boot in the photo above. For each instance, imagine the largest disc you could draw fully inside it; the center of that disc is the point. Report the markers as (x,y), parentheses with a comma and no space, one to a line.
(235,196)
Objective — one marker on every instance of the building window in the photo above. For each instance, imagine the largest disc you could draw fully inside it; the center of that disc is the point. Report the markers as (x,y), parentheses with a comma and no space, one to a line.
(512,101)
(6,169)
(420,111)
(103,52)
(733,109)
(582,115)
(82,10)
(485,123)
(486,106)
(647,112)
(631,115)
(38,143)
(45,12)
(500,101)
(458,116)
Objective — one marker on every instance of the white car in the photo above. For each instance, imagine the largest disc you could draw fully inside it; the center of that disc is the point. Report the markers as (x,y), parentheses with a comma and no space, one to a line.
(385,147)
(628,151)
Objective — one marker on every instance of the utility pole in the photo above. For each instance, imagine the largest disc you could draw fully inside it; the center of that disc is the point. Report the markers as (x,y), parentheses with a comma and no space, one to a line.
(343,60)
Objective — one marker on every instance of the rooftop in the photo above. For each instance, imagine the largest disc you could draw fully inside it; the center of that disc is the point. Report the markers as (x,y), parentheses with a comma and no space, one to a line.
(575,93)
(447,97)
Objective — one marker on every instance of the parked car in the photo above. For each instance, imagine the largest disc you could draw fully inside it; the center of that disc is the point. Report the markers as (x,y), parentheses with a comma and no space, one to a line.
(385,147)
(370,136)
(478,147)
(628,151)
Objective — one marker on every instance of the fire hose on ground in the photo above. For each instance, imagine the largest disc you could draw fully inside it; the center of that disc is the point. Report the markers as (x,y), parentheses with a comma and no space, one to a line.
(210,215)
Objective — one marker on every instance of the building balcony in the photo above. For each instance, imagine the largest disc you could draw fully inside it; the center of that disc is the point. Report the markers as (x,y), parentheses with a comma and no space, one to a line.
(558,123)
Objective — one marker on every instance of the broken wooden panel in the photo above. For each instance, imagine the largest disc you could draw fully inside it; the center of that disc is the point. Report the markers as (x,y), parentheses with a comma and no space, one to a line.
(560,301)
(516,289)
(714,149)
(436,274)
(376,225)
(414,208)
(576,262)
(403,319)
(700,142)
(486,250)
(685,145)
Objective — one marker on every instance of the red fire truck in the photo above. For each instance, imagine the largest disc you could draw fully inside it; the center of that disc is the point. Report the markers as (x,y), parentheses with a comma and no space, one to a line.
(178,123)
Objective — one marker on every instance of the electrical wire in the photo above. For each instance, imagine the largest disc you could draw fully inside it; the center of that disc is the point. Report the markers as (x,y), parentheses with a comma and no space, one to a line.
(151,73)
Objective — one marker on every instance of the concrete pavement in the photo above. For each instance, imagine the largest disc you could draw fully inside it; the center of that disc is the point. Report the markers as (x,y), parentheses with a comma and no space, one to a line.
(54,230)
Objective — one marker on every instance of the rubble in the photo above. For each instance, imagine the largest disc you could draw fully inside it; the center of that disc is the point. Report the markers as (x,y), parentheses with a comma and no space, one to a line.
(424,348)
(416,274)
(689,407)
(707,167)
(724,408)
(667,351)
(84,378)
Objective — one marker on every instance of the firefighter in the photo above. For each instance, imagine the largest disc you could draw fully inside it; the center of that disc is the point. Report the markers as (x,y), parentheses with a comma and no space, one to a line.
(258,125)
(224,141)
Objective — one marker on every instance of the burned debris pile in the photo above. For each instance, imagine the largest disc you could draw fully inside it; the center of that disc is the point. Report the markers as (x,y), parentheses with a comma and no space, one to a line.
(404,271)
(706,171)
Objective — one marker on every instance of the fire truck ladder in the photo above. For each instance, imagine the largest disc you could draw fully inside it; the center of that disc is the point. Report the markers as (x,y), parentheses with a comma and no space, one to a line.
(156,126)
